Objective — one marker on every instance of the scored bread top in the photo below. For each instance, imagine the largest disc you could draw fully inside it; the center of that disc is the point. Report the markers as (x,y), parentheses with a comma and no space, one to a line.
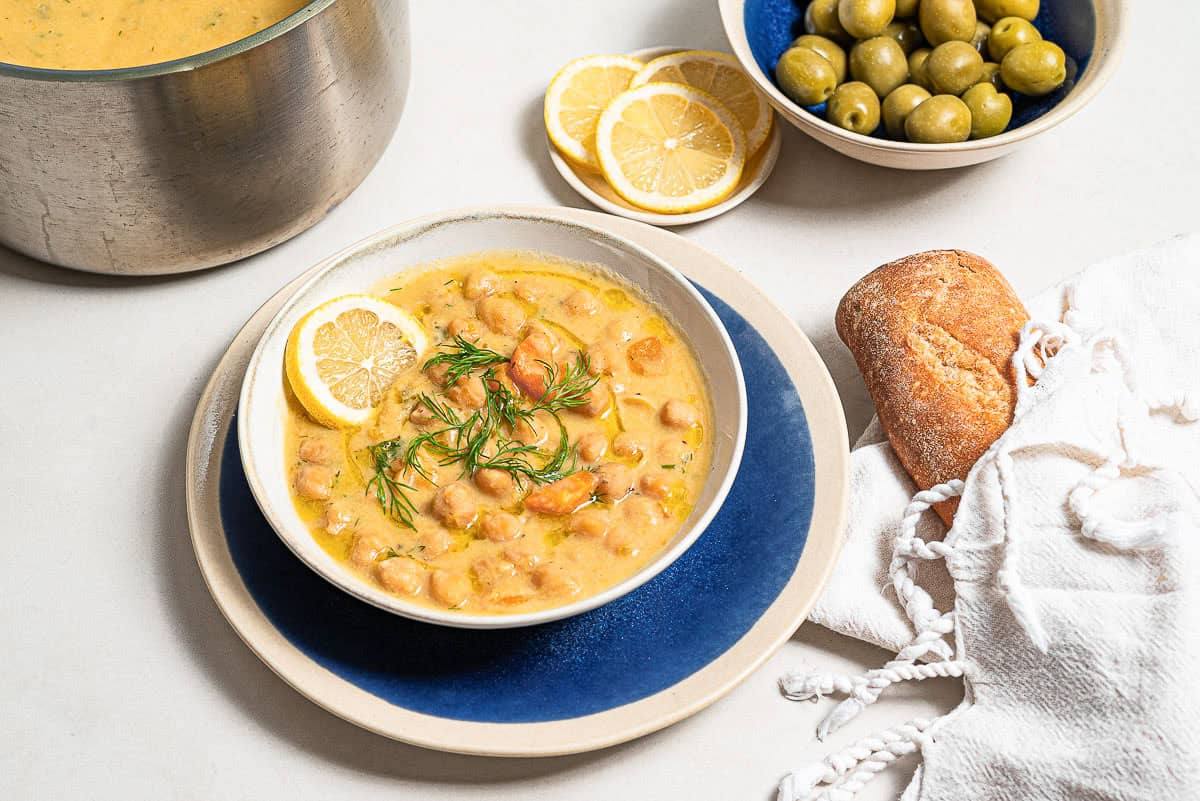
(934,335)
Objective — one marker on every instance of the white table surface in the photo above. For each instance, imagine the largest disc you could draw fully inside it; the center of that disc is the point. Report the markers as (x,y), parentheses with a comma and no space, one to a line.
(121,680)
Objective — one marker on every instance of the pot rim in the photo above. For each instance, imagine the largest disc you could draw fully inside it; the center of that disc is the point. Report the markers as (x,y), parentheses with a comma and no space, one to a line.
(184,64)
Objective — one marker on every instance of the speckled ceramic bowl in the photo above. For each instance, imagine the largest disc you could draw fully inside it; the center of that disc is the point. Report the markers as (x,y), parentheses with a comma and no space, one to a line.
(262,404)
(1091,33)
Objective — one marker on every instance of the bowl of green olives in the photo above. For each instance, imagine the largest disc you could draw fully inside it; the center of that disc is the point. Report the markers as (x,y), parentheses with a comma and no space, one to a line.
(926,84)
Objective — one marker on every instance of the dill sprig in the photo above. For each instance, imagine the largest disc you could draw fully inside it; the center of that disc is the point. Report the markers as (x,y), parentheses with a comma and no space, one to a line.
(464,357)
(566,389)
(482,439)
(391,494)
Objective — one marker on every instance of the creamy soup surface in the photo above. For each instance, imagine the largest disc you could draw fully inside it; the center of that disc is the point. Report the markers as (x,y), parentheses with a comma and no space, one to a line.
(531,520)
(111,34)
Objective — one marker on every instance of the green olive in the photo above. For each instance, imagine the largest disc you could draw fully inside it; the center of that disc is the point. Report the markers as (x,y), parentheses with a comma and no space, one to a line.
(1008,33)
(992,10)
(947,21)
(939,120)
(863,19)
(899,104)
(906,33)
(991,74)
(1036,68)
(880,63)
(806,76)
(821,18)
(832,51)
(855,107)
(991,111)
(980,40)
(906,8)
(917,61)
(953,68)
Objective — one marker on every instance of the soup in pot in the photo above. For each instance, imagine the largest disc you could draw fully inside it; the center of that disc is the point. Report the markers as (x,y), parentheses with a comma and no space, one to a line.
(549,443)
(111,34)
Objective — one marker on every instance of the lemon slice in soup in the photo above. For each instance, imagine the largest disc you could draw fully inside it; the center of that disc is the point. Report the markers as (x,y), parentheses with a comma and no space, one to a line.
(343,355)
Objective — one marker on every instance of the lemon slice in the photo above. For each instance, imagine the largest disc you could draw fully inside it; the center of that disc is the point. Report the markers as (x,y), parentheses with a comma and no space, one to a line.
(670,148)
(343,355)
(721,76)
(577,95)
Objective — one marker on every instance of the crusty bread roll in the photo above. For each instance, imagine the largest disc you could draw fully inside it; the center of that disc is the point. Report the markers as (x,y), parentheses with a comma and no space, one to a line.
(934,335)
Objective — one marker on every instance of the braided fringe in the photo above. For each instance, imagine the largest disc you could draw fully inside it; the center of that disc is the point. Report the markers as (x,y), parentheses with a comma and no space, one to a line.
(842,775)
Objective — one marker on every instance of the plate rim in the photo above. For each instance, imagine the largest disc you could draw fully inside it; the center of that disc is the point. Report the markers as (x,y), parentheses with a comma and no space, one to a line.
(773,628)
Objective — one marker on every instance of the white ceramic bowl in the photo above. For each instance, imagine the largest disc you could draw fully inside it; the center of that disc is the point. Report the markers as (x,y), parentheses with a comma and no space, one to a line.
(1108,38)
(359,267)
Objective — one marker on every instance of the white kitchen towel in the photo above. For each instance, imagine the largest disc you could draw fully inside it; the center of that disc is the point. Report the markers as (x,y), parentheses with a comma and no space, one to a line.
(1066,594)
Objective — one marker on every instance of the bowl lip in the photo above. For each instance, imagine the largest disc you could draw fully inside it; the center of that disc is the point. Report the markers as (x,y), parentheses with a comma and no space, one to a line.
(184,64)
(359,589)
(1110,28)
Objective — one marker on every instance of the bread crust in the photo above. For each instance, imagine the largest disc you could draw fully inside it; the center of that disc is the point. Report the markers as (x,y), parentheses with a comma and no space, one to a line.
(934,335)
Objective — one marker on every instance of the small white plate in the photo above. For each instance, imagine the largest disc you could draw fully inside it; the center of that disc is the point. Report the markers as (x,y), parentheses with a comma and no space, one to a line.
(592,186)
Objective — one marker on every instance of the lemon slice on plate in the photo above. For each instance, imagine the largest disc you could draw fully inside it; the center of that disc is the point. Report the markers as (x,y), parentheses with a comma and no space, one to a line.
(577,95)
(343,355)
(721,76)
(670,148)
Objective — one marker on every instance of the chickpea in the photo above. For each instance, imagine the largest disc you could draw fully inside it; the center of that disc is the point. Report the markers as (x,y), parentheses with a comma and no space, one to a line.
(400,576)
(613,481)
(620,330)
(468,392)
(434,543)
(599,400)
(606,358)
(421,415)
(454,505)
(529,432)
(622,541)
(366,549)
(339,516)
(480,283)
(590,523)
(437,374)
(314,481)
(501,526)
(581,303)
(627,445)
(555,580)
(501,315)
(531,290)
(657,485)
(523,553)
(592,446)
(316,450)
(451,588)
(492,570)
(491,481)
(678,414)
(642,513)
(466,327)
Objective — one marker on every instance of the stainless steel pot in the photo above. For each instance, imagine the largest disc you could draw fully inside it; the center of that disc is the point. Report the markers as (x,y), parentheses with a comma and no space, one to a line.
(204,160)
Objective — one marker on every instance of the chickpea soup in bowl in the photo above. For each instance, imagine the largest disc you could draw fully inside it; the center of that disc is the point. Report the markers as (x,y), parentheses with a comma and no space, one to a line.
(492,419)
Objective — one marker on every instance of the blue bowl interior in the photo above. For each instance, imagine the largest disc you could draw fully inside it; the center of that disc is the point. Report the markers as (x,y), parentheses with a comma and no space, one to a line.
(772,25)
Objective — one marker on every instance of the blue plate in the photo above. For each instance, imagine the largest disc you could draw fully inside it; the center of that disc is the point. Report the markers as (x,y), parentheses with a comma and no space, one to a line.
(772,25)
(630,649)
